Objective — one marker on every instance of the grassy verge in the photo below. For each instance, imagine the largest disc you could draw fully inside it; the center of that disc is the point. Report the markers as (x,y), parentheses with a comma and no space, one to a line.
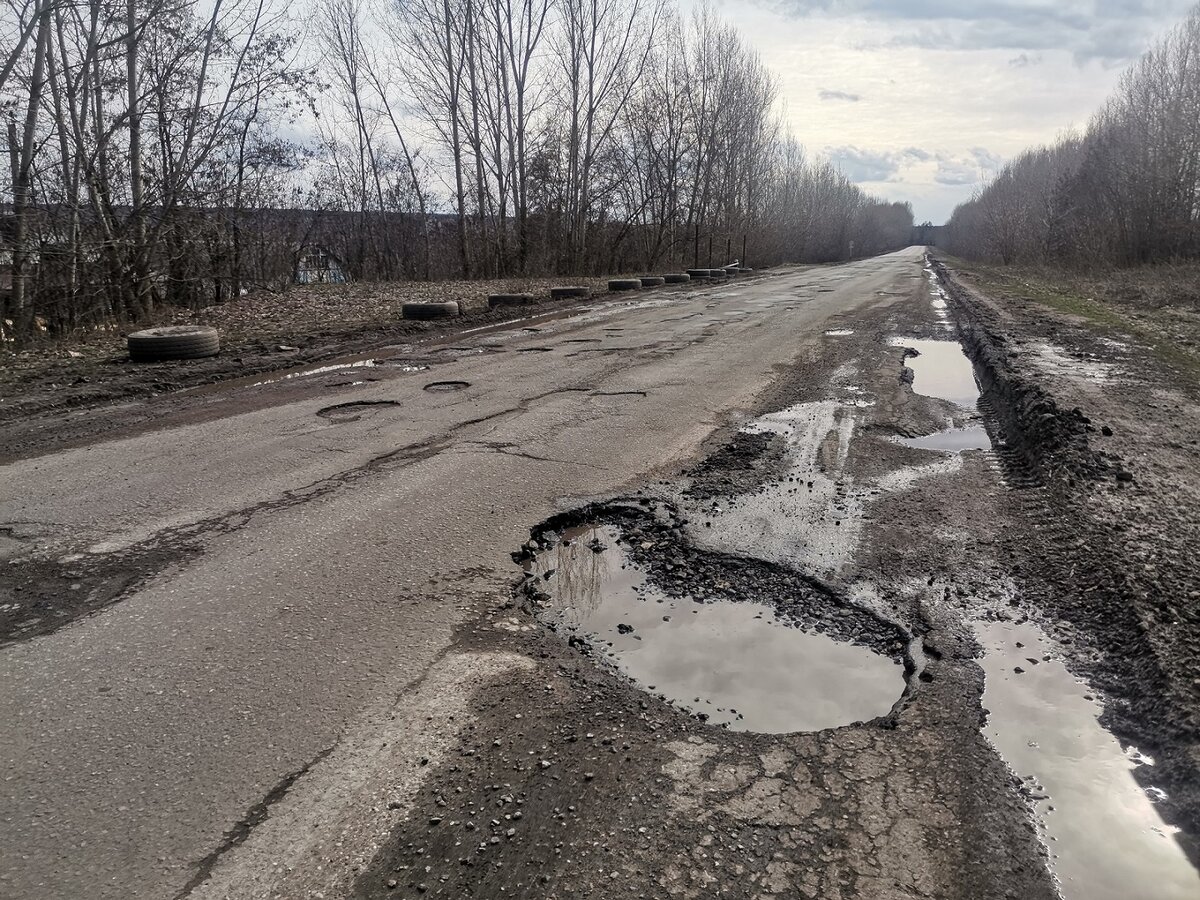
(1156,307)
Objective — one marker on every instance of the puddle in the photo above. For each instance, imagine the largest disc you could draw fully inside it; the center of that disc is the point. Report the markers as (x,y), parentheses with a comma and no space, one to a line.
(732,663)
(1106,839)
(437,386)
(839,332)
(941,370)
(952,440)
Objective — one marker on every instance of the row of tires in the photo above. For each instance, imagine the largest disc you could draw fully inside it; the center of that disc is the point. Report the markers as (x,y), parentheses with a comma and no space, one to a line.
(197,341)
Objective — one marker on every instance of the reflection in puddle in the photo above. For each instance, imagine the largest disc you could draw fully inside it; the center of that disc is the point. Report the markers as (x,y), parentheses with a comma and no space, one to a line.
(1106,839)
(941,370)
(952,440)
(734,663)
(839,332)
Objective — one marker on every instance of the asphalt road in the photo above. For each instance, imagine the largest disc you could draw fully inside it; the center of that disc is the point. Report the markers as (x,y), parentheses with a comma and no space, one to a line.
(300,644)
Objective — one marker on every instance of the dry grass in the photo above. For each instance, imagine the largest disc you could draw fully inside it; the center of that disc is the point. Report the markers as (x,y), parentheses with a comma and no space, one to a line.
(332,309)
(1157,306)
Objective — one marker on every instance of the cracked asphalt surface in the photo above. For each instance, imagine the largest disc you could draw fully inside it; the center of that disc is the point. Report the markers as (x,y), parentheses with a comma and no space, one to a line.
(269,644)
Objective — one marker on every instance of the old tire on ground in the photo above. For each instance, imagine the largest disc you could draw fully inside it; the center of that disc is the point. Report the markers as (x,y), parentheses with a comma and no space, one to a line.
(652,280)
(422,311)
(562,293)
(495,300)
(698,273)
(732,271)
(677,278)
(174,342)
(717,273)
(625,284)
(744,270)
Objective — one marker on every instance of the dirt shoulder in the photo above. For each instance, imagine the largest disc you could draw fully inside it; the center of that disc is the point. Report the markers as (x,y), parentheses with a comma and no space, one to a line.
(1102,408)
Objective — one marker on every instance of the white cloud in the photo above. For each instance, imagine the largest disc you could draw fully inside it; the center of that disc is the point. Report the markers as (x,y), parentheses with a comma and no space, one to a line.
(947,88)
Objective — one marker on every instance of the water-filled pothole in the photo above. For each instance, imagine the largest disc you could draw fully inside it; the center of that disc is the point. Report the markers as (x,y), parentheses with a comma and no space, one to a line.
(1106,839)
(740,663)
(839,332)
(437,386)
(941,369)
(951,440)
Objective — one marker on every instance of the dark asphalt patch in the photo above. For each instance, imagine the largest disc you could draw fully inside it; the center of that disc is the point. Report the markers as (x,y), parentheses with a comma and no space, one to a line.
(37,597)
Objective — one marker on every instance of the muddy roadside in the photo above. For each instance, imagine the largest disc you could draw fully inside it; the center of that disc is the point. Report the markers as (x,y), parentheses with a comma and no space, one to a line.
(1107,469)
(261,333)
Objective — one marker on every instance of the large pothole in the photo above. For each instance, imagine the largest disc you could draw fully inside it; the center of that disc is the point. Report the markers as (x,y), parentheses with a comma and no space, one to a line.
(733,641)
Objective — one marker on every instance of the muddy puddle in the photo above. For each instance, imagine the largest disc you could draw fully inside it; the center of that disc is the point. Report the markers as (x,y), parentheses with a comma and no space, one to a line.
(951,440)
(1105,836)
(731,663)
(941,369)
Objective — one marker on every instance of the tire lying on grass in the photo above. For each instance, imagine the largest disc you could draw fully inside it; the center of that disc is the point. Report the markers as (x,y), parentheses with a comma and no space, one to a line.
(732,271)
(652,280)
(625,284)
(495,300)
(420,310)
(562,293)
(677,278)
(717,273)
(174,342)
(698,273)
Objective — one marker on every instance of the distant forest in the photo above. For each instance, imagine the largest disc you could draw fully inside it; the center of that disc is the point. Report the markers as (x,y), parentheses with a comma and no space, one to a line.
(171,153)
(1126,191)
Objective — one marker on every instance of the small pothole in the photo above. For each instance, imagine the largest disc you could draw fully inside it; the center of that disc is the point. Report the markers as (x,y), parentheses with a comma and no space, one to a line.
(439,386)
(353,411)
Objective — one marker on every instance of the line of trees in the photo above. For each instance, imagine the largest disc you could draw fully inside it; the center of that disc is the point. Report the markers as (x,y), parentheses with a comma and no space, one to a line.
(1124,192)
(172,152)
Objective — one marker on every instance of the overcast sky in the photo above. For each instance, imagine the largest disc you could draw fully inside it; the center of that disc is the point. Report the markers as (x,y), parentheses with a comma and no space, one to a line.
(920,99)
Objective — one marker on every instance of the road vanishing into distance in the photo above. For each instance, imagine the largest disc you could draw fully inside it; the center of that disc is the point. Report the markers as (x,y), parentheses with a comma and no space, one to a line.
(291,654)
